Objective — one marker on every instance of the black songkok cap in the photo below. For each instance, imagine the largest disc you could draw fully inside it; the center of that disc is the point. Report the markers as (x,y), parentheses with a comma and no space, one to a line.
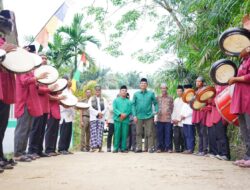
(144,80)
(123,87)
(186,86)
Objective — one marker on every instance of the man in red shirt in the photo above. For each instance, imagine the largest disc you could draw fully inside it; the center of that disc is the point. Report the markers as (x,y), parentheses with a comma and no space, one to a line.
(241,101)
(37,133)
(7,86)
(27,107)
(52,129)
(198,119)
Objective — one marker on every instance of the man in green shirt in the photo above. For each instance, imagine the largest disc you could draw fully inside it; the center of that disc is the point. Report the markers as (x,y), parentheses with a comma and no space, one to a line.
(121,109)
(142,110)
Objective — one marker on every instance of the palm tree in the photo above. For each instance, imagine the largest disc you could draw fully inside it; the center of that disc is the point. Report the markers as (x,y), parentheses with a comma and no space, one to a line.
(76,38)
(58,54)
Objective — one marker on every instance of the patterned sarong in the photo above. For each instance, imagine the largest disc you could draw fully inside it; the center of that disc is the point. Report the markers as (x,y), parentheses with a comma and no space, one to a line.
(96,133)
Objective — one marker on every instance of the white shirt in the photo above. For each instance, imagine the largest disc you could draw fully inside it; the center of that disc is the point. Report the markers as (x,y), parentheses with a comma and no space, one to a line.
(187,112)
(93,112)
(176,115)
(110,113)
(67,114)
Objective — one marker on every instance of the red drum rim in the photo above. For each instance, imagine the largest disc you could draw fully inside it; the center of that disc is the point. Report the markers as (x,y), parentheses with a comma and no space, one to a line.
(186,93)
(205,90)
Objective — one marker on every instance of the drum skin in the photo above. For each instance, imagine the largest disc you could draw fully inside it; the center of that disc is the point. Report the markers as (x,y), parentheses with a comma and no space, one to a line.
(52,74)
(82,105)
(222,70)
(69,101)
(234,40)
(188,95)
(18,61)
(205,94)
(196,105)
(62,84)
(223,102)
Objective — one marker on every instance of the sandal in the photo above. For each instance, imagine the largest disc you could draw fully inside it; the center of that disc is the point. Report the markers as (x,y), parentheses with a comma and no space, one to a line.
(246,164)
(22,159)
(237,162)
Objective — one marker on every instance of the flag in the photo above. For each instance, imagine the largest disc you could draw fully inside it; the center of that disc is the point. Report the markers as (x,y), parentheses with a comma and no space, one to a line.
(50,27)
(79,70)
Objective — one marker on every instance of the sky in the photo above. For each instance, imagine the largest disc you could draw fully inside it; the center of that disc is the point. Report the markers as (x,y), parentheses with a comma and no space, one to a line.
(31,16)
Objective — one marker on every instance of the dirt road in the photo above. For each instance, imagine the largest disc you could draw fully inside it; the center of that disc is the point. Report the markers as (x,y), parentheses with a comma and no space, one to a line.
(108,171)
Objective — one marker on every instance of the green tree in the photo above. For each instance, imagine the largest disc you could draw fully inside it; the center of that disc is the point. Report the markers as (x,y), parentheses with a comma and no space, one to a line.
(75,39)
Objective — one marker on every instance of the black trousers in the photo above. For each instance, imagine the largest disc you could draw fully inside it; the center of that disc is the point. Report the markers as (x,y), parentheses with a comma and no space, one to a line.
(65,136)
(179,142)
(37,133)
(202,132)
(218,140)
(131,141)
(110,135)
(51,134)
(4,117)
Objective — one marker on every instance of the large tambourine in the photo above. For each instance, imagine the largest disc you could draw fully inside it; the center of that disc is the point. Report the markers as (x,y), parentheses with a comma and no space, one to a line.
(69,101)
(188,95)
(234,40)
(205,94)
(37,59)
(52,74)
(82,105)
(222,70)
(18,61)
(61,85)
(196,105)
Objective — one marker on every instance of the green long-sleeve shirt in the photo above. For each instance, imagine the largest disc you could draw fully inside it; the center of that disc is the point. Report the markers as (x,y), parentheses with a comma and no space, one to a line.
(142,104)
(122,105)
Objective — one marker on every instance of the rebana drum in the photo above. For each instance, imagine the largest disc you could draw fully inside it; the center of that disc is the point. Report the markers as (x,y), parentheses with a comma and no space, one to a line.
(188,95)
(69,101)
(205,93)
(223,102)
(18,61)
(61,85)
(222,70)
(52,74)
(196,105)
(82,105)
(234,40)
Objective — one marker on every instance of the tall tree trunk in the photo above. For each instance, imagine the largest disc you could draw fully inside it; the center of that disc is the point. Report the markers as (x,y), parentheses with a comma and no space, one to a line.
(75,64)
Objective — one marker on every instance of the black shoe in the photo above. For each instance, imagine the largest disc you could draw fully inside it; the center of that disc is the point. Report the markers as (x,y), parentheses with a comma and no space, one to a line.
(12,162)
(5,165)
(115,151)
(109,150)
(138,151)
(84,150)
(63,152)
(151,150)
(124,151)
(43,155)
